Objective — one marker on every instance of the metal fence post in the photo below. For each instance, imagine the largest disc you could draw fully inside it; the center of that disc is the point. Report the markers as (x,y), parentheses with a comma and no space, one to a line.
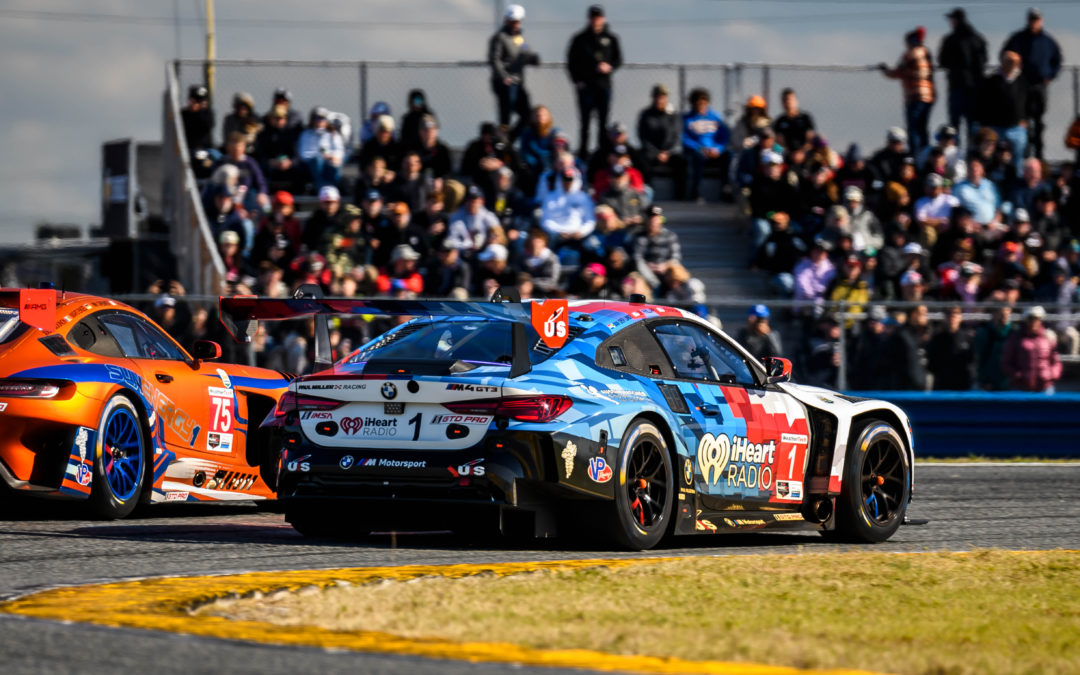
(682,88)
(1076,90)
(841,345)
(727,89)
(363,91)
(765,83)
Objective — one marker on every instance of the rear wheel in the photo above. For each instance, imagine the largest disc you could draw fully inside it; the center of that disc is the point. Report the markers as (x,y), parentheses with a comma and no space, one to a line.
(120,465)
(877,482)
(643,494)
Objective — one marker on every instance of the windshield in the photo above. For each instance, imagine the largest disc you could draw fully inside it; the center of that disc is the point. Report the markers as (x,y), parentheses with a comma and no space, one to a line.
(10,326)
(472,340)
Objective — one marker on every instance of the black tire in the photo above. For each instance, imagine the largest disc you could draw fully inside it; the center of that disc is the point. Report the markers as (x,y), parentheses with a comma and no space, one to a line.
(644,488)
(121,461)
(877,485)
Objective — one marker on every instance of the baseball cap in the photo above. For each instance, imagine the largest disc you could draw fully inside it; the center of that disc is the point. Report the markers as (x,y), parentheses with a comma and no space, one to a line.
(878,313)
(1036,312)
(229,237)
(823,244)
(515,13)
(282,92)
(969,269)
(1011,246)
(329,193)
(912,248)
(755,101)
(760,311)
(618,170)
(1034,13)
(404,252)
(958,13)
(168,300)
(617,129)
(852,193)
(428,121)
(320,111)
(400,208)
(910,278)
(372,195)
(947,131)
(1021,216)
(935,180)
(896,135)
(771,157)
(474,193)
(654,210)
(596,10)
(283,198)
(620,150)
(597,269)
(198,92)
(659,90)
(493,252)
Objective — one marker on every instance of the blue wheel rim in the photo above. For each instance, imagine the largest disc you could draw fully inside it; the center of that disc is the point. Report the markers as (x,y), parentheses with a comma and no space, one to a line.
(122,455)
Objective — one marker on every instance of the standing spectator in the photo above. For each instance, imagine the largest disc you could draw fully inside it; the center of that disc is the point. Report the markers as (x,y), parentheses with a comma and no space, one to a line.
(508,54)
(659,133)
(753,120)
(592,57)
(915,70)
(1041,57)
(242,119)
(411,121)
(1003,105)
(794,128)
(321,149)
(990,341)
(293,121)
(494,270)
(814,273)
(705,141)
(869,369)
(656,248)
(275,146)
(963,54)
(758,336)
(904,352)
(198,120)
(1030,359)
(951,355)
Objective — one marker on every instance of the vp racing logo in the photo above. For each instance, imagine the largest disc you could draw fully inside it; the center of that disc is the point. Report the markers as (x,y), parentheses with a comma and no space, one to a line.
(737,461)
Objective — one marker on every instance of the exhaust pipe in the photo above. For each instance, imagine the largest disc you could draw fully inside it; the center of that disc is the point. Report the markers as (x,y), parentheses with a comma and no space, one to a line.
(819,510)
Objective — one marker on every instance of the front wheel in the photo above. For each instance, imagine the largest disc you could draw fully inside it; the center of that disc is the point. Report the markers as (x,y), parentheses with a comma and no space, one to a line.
(643,494)
(877,484)
(120,464)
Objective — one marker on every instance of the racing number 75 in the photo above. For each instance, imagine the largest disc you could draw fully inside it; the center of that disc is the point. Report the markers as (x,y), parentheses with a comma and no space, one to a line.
(415,421)
(221,409)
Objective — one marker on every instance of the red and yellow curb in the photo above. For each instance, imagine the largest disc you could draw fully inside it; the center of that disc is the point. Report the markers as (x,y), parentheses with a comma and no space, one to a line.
(167,604)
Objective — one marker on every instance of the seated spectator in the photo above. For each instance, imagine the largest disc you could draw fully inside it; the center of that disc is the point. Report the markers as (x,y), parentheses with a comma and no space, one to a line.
(855,172)
(447,272)
(887,162)
(818,194)
(371,124)
(912,286)
(1030,358)
(472,226)
(754,119)
(950,355)
(347,248)
(947,144)
(494,269)
(655,248)
(612,231)
(434,218)
(978,194)
(795,128)
(677,285)
(618,134)
(849,291)
(618,155)
(748,161)
(990,339)
(822,363)
(275,147)
(401,274)
(487,154)
(376,176)
(412,120)
(540,262)
(294,122)
(620,196)
(225,215)
(434,154)
(536,144)
(814,273)
(780,253)
(758,336)
(400,230)
(567,213)
(1048,222)
(592,283)
(250,183)
(237,270)
(322,150)
(1022,195)
(382,144)
(770,191)
(837,228)
(659,132)
(705,141)
(866,229)
(242,120)
(933,210)
(510,206)
(325,219)
(279,234)
(198,121)
(410,186)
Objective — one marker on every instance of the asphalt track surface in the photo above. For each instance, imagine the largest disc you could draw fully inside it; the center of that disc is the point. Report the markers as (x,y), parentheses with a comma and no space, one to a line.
(42,545)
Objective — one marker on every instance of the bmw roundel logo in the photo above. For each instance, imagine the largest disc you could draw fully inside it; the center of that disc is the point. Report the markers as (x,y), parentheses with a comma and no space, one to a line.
(389,390)
(346,462)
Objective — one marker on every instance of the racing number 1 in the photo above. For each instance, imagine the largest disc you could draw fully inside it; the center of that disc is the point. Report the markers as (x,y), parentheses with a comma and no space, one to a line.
(415,421)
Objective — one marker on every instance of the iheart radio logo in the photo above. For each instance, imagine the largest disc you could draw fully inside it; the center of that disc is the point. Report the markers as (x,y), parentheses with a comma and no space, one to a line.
(551,319)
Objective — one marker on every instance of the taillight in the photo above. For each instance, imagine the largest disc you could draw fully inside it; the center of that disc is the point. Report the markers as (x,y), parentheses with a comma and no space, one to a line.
(521,408)
(30,388)
(290,402)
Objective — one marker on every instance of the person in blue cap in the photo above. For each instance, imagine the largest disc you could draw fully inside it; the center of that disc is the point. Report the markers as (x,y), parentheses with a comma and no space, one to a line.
(758,336)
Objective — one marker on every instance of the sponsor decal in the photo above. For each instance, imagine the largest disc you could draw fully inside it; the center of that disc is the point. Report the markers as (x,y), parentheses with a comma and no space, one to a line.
(3,407)
(323,387)
(82,475)
(346,462)
(224,378)
(370,461)
(703,524)
(789,490)
(484,388)
(316,415)
(473,468)
(299,464)
(599,471)
(175,418)
(388,390)
(216,442)
(80,442)
(551,319)
(461,419)
(569,454)
(351,425)
(787,516)
(798,439)
(626,395)
(176,496)
(220,392)
(369,426)
(688,471)
(736,460)
(401,464)
(37,307)
(744,522)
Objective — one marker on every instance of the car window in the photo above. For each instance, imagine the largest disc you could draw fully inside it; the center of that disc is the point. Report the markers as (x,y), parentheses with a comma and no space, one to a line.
(138,339)
(470,340)
(698,354)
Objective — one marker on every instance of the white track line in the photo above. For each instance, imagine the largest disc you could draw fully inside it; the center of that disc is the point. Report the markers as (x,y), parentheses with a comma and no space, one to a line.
(974,464)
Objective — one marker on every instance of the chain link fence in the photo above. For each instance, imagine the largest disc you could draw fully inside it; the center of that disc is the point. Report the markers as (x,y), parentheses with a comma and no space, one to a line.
(849,103)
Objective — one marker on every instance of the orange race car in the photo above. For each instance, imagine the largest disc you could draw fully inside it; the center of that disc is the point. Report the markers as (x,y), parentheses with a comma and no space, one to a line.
(98,403)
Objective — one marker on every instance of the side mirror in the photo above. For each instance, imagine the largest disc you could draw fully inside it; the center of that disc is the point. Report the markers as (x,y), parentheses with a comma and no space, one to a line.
(777,369)
(206,350)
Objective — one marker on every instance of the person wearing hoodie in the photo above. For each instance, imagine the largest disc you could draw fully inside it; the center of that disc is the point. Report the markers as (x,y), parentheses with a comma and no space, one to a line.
(593,55)
(705,141)
(915,70)
(963,54)
(508,54)
(1030,359)
(409,136)
(568,211)
(865,226)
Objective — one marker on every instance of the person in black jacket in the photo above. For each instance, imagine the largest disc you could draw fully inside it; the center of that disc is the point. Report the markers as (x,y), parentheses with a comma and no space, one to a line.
(1041,57)
(951,355)
(593,56)
(963,54)
(198,120)
(412,120)
(1002,103)
(508,54)
(659,130)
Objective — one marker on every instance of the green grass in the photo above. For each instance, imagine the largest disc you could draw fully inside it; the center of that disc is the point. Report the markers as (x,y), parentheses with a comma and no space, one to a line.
(927,613)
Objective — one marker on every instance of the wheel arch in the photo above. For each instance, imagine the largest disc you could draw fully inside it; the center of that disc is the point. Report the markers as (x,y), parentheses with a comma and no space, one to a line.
(889,416)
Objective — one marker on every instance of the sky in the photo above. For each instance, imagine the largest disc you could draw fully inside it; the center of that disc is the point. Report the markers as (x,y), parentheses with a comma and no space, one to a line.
(76,73)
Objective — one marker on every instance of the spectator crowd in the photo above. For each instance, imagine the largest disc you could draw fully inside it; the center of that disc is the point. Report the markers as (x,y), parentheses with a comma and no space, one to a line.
(970,215)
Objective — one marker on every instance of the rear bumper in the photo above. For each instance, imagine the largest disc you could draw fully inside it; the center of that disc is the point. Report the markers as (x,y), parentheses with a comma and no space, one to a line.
(36,442)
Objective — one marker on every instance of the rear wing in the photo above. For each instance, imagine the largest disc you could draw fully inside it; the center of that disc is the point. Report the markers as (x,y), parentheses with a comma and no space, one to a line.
(241,314)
